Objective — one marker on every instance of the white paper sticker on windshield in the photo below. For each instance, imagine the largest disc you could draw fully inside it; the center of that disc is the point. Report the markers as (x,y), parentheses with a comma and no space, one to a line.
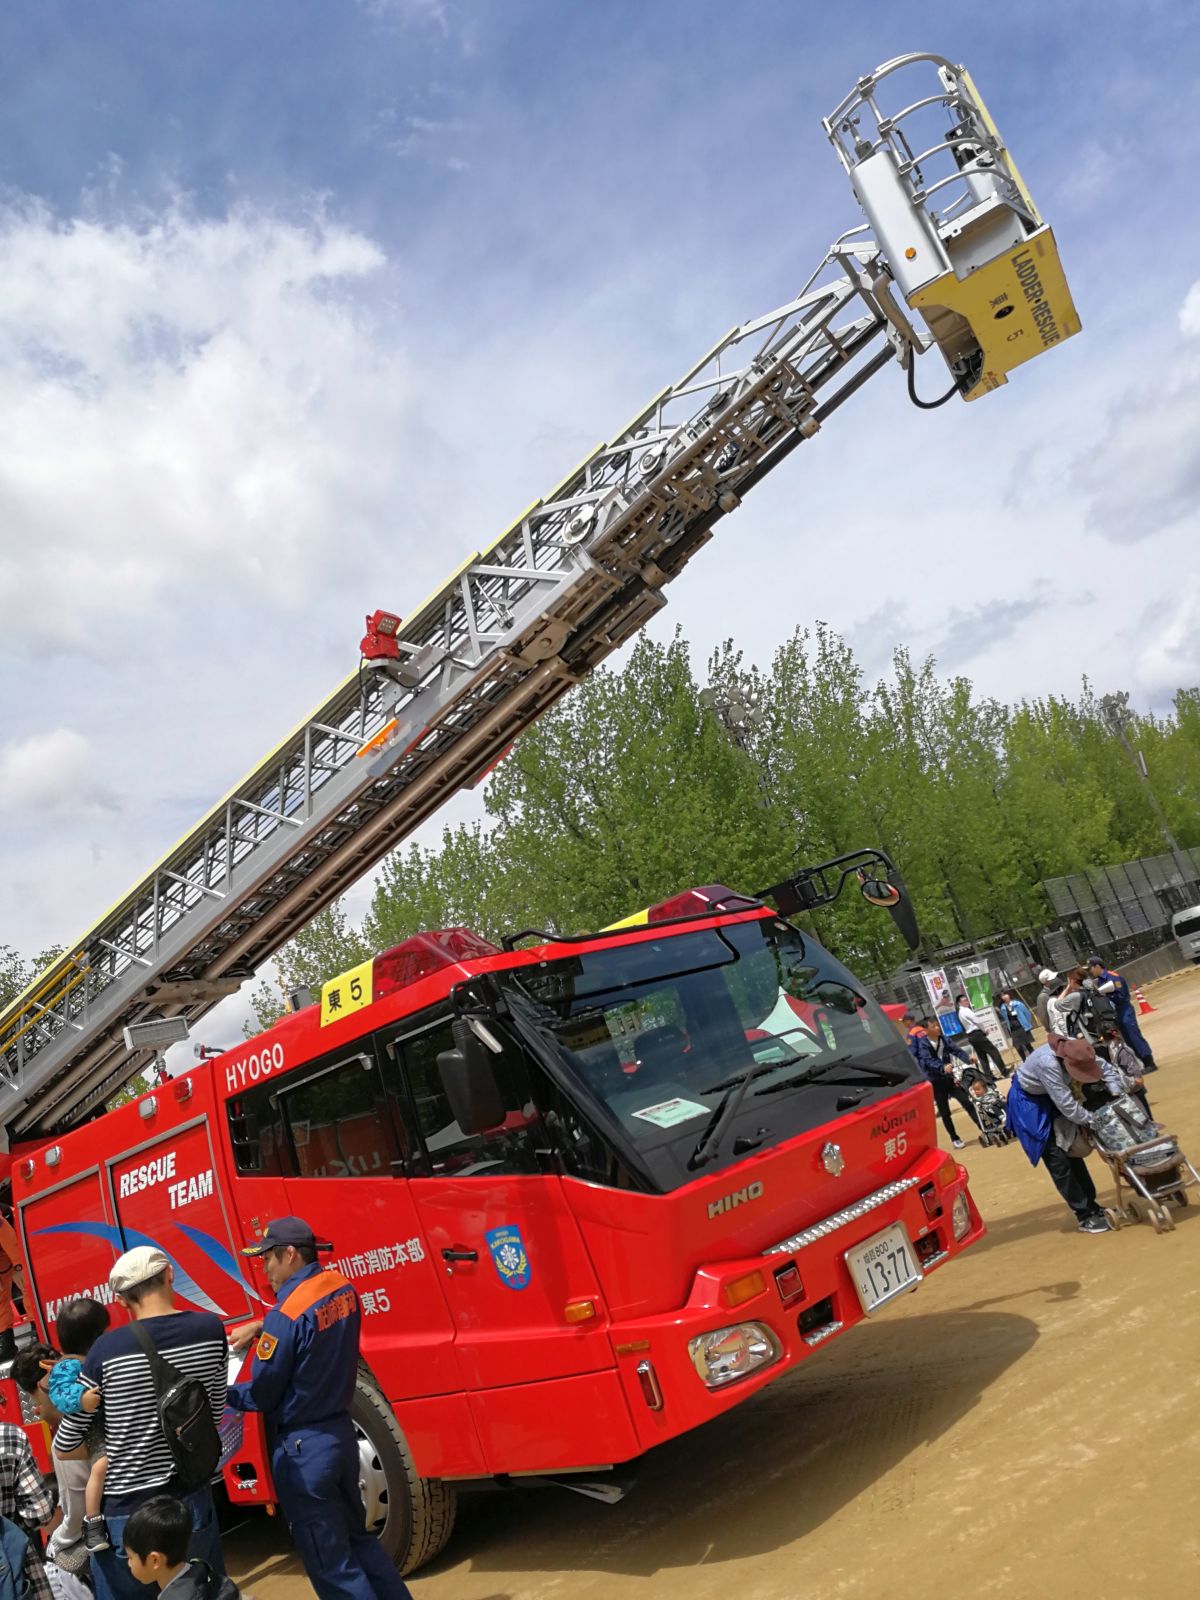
(670,1112)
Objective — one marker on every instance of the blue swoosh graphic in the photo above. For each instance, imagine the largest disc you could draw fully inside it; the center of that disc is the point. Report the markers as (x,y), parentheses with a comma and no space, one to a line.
(123,1239)
(220,1258)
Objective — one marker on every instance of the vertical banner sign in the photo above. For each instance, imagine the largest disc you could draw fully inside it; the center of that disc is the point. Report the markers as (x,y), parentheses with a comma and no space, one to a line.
(937,987)
(977,982)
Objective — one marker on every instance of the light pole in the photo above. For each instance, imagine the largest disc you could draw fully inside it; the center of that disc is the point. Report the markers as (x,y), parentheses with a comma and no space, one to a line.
(1114,709)
(739,712)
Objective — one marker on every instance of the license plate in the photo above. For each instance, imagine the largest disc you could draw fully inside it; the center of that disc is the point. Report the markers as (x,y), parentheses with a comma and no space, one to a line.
(883,1267)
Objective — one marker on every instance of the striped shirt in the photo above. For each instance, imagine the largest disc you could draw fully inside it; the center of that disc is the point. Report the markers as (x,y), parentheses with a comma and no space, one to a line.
(139,1457)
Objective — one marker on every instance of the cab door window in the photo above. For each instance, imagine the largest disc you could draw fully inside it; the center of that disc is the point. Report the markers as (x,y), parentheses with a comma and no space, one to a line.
(340,1122)
(516,1145)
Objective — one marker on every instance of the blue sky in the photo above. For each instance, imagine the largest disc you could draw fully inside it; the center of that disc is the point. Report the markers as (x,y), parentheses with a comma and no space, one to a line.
(300,300)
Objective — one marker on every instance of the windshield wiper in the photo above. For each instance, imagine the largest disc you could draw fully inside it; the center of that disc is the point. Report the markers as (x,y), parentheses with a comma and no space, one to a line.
(727,1109)
(885,1074)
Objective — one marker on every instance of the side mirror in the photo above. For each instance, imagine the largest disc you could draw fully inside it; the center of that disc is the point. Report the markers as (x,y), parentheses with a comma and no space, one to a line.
(469,1082)
(891,894)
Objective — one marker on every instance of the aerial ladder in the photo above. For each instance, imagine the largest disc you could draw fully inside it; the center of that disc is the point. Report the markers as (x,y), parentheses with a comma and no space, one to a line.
(953,257)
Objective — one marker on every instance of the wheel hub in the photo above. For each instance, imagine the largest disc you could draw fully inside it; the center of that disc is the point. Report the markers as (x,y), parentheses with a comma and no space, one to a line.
(372,1483)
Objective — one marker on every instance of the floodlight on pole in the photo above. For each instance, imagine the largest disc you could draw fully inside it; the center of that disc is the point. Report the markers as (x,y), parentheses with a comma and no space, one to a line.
(739,711)
(155,1033)
(1117,717)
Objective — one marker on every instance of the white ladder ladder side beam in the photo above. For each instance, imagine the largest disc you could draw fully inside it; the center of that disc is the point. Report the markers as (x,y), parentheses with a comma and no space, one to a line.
(514,628)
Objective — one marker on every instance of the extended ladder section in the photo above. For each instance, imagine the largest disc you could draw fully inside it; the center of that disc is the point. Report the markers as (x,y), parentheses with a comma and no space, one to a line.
(519,622)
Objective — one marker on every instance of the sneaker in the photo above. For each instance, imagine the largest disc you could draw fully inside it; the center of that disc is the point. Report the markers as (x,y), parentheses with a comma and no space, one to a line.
(95,1534)
(71,1556)
(958,1144)
(1096,1224)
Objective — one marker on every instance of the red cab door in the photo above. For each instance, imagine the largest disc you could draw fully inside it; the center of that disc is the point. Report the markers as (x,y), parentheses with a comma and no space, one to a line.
(507,1244)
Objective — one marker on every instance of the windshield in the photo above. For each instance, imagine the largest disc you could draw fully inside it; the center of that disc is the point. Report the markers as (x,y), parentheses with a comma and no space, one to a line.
(661,1030)
(1187,922)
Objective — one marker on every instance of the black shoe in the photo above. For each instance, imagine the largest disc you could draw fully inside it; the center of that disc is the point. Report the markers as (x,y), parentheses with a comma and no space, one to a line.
(1097,1223)
(95,1535)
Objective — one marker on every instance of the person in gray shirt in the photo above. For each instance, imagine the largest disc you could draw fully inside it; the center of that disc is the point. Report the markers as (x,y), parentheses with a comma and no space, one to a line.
(1042,1090)
(1051,983)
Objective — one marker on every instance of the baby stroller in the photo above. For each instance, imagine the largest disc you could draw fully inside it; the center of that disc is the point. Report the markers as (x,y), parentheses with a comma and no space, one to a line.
(988,1103)
(1141,1154)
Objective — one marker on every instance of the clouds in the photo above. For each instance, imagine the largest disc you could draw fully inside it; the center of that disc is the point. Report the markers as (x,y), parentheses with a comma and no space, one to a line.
(51,774)
(1169,657)
(971,631)
(233,418)
(1144,473)
(184,401)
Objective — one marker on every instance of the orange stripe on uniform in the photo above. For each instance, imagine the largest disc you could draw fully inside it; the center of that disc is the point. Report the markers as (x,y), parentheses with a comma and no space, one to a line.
(310,1292)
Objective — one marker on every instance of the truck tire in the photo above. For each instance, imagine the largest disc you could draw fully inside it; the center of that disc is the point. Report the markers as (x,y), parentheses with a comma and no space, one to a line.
(413,1516)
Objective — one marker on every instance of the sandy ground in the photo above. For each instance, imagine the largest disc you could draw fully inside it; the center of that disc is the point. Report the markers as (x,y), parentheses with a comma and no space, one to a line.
(1027,1423)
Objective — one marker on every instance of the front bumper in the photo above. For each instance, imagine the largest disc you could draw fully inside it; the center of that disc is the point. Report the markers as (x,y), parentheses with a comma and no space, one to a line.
(663,1389)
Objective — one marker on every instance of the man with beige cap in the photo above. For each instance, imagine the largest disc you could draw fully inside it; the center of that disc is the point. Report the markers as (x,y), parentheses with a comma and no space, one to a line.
(140,1463)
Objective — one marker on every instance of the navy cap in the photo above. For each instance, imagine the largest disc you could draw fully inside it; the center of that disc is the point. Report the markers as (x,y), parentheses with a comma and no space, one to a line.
(1094,961)
(283,1231)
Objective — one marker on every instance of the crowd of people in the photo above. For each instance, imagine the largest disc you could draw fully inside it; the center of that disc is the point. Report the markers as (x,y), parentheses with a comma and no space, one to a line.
(135,1411)
(1093,1041)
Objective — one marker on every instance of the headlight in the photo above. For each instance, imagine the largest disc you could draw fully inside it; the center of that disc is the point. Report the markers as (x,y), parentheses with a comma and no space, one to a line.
(960,1216)
(732,1353)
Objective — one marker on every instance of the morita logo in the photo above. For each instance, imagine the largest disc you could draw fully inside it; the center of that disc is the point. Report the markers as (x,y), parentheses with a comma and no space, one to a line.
(739,1197)
(894,1120)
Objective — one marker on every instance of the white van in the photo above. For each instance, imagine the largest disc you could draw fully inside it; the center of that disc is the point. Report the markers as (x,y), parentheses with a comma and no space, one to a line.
(1185,926)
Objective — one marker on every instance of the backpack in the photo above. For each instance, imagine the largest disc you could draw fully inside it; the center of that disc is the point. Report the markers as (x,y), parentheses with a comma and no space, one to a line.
(185,1415)
(14,1547)
(1097,1012)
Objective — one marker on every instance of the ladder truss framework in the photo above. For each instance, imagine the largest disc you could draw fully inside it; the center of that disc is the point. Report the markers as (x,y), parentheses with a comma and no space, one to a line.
(576,575)
(517,625)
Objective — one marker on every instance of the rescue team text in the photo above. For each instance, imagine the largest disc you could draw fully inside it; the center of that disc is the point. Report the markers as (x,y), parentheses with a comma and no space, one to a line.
(162,1168)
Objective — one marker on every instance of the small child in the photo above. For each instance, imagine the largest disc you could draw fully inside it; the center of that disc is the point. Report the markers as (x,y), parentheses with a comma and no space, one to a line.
(1128,1067)
(80,1323)
(156,1545)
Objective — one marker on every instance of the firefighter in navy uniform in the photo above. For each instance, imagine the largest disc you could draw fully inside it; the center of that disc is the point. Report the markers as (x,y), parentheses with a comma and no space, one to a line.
(302,1380)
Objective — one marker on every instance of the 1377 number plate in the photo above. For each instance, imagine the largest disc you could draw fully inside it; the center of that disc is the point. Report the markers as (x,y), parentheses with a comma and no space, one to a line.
(883,1267)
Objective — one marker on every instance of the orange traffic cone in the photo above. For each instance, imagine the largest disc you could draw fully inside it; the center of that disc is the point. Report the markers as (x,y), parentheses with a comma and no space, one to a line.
(1144,1006)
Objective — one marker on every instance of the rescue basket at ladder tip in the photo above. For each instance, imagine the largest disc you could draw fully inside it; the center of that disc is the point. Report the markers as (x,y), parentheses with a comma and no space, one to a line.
(962,239)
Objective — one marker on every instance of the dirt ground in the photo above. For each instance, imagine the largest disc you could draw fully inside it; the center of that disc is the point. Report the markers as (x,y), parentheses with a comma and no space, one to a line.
(1027,1423)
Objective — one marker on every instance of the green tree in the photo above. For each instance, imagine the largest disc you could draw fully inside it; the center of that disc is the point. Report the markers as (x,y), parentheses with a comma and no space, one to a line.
(16,974)
(327,946)
(633,788)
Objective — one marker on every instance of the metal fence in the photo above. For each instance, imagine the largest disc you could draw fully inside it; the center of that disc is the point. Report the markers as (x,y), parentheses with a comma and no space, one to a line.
(1124,910)
(1117,905)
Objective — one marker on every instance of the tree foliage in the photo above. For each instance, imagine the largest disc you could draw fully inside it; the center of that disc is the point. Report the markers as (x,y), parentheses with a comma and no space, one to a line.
(16,974)
(632,788)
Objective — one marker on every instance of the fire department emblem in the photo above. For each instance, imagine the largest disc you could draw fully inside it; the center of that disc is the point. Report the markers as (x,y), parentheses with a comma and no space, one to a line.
(832,1160)
(509,1256)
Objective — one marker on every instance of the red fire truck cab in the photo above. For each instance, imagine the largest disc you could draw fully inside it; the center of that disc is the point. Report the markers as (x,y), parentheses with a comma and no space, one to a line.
(592,1193)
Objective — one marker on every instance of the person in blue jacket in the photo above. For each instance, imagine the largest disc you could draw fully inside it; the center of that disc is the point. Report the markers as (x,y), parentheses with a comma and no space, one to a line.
(1017,1018)
(1117,989)
(302,1380)
(930,1049)
(1042,1105)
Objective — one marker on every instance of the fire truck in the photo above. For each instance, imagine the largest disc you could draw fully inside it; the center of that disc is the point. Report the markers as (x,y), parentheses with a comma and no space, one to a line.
(593,1190)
